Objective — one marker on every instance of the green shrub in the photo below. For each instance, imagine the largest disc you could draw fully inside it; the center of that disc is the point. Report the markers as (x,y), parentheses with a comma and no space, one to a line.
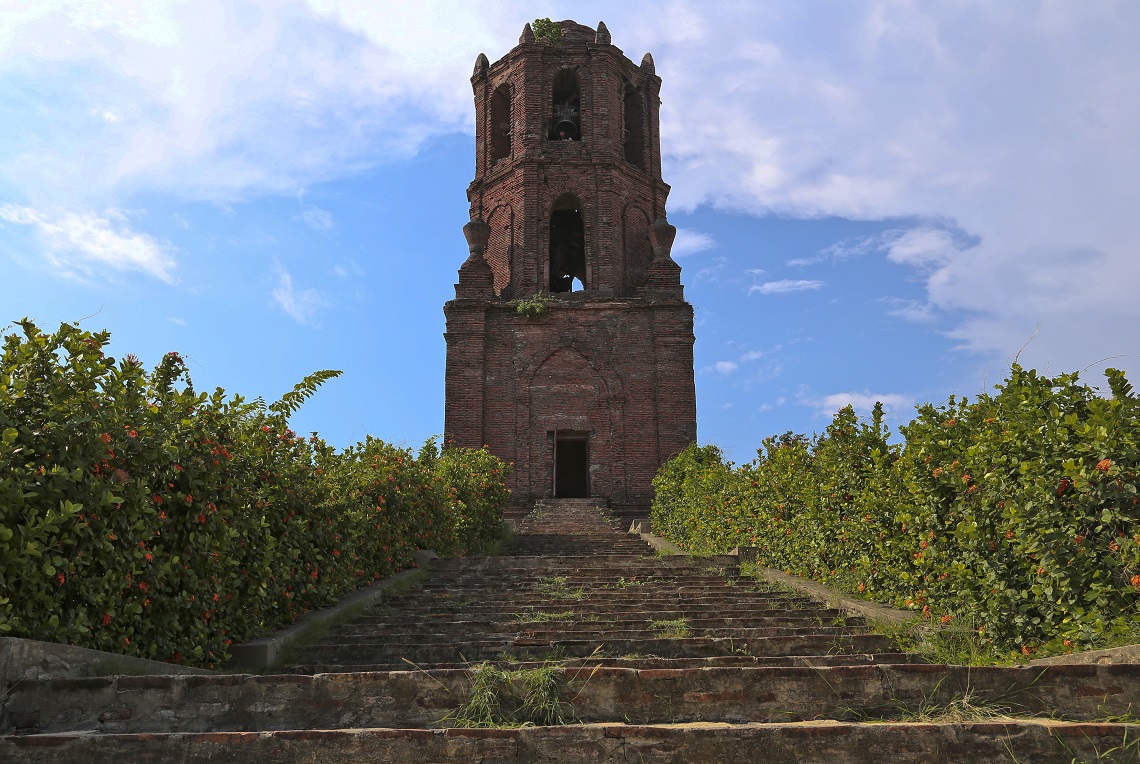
(141,517)
(546,31)
(1017,512)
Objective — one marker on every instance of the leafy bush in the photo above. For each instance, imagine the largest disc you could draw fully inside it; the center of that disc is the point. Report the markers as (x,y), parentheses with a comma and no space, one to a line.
(139,516)
(546,31)
(1016,513)
(532,307)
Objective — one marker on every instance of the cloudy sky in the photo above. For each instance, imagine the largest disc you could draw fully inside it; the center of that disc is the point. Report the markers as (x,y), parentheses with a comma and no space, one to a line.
(877,200)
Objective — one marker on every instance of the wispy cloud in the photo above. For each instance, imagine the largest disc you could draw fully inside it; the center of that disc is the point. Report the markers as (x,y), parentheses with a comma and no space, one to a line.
(319,220)
(301,304)
(725,367)
(689,242)
(712,271)
(863,403)
(915,311)
(85,240)
(784,286)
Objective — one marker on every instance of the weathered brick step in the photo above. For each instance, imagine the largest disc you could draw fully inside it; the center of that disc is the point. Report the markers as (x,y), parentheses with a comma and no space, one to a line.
(599,560)
(577,590)
(593,560)
(529,541)
(1039,742)
(599,633)
(398,623)
(846,659)
(501,603)
(512,602)
(590,694)
(602,613)
(490,592)
(641,602)
(600,577)
(517,648)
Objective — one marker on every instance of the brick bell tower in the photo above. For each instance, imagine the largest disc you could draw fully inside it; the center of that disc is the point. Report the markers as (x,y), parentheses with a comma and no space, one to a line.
(590,391)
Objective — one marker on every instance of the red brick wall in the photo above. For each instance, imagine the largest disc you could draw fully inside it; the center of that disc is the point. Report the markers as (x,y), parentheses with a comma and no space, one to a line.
(614,361)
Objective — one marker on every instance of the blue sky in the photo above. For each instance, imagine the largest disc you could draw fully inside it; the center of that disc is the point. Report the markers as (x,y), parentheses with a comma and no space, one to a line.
(877,200)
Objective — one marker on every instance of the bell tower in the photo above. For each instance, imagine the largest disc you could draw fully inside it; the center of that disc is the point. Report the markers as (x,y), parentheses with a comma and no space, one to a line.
(569,341)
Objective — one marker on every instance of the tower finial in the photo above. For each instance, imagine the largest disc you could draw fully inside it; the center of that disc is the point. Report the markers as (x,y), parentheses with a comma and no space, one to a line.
(527,35)
(603,36)
(647,64)
(481,65)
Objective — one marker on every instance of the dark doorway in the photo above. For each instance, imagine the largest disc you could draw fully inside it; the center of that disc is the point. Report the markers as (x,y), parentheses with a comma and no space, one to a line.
(571,468)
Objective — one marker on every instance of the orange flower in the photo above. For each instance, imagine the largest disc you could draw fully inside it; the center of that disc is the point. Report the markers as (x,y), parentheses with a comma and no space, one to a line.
(1104,465)
(1135,581)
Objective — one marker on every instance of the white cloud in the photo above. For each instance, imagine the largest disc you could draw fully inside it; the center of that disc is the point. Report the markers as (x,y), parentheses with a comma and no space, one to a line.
(921,246)
(914,311)
(689,242)
(751,355)
(86,240)
(784,286)
(221,101)
(712,271)
(302,305)
(319,220)
(1014,123)
(863,403)
(725,367)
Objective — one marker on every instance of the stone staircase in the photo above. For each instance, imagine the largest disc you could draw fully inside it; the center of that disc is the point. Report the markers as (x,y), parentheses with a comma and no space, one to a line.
(612,653)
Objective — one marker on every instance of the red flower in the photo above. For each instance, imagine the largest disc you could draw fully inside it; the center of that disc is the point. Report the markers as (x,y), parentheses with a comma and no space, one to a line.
(105,437)
(106,618)
(60,578)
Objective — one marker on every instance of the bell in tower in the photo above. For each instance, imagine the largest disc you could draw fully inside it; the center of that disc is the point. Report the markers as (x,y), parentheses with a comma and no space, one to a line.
(569,341)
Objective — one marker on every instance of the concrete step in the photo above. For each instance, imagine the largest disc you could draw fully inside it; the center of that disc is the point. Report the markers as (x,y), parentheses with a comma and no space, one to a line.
(538,648)
(426,699)
(1037,741)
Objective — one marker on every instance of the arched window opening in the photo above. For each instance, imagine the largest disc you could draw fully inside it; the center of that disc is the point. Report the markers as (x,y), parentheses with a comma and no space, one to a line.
(634,123)
(500,123)
(565,118)
(567,245)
